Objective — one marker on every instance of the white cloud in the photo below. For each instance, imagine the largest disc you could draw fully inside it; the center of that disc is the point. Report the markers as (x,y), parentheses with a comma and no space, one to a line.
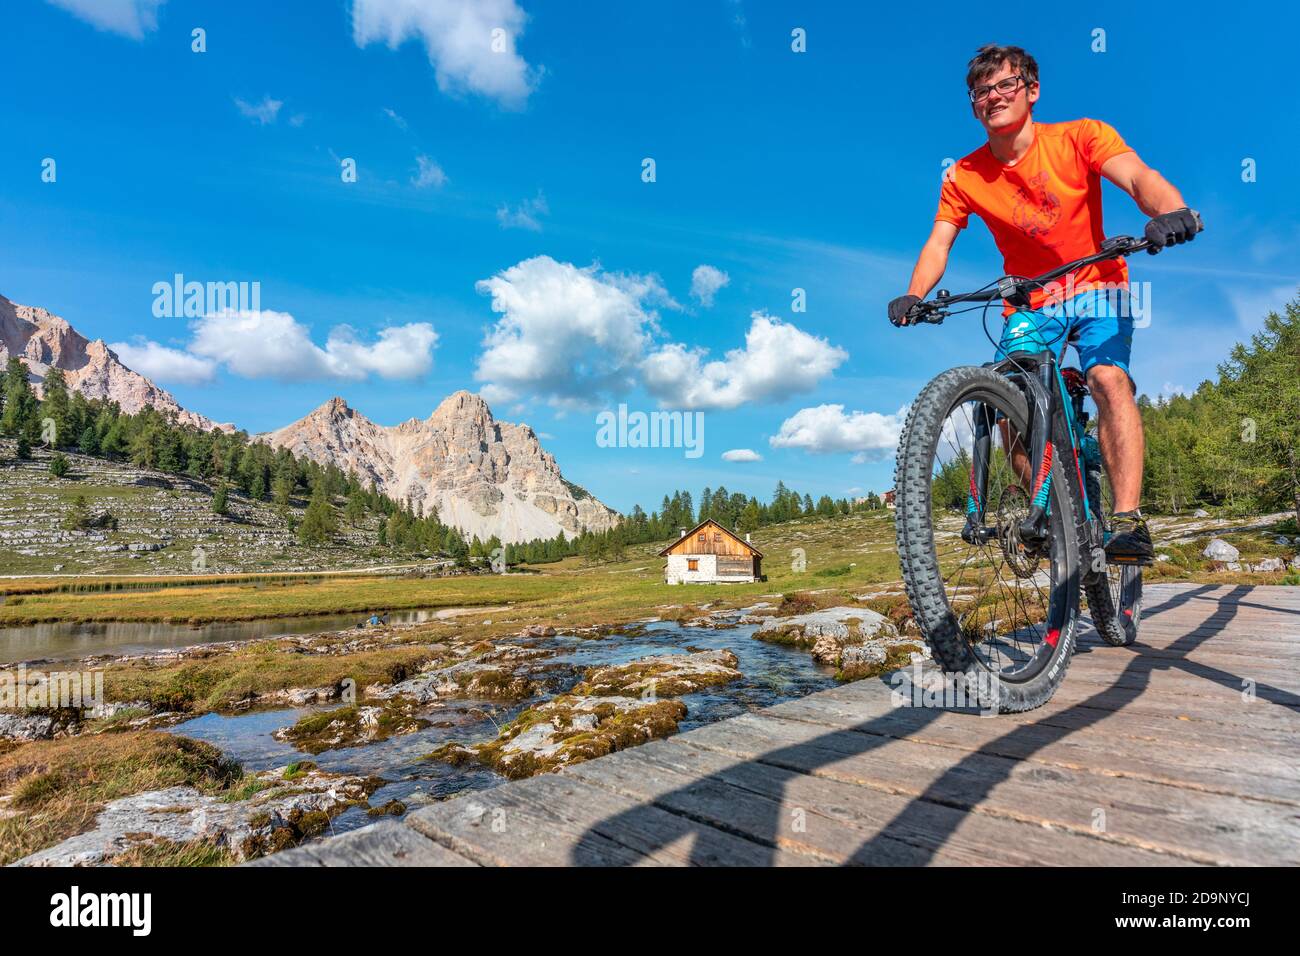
(826,429)
(458,37)
(428,173)
(397,120)
(778,360)
(297,120)
(275,345)
(527,215)
(566,335)
(705,283)
(741,454)
(262,113)
(163,364)
(131,18)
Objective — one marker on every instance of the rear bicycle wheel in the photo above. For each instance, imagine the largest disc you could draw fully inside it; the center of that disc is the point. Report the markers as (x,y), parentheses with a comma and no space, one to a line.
(1115,598)
(991,609)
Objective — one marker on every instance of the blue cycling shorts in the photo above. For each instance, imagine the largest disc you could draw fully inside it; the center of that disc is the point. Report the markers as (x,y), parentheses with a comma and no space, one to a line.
(1097,322)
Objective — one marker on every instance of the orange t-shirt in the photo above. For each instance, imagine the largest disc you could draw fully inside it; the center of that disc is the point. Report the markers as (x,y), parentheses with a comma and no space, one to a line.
(1046,209)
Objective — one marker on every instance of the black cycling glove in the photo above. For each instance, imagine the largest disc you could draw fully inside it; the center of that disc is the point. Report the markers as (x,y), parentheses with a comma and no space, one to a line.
(899,308)
(1170,229)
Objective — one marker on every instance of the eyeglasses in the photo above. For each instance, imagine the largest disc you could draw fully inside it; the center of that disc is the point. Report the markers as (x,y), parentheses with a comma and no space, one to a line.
(1005,86)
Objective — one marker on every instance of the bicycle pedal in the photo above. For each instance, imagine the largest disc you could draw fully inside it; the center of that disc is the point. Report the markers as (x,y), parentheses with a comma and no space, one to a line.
(1128,560)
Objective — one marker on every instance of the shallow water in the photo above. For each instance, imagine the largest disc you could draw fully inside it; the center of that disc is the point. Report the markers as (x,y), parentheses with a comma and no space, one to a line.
(65,640)
(772,673)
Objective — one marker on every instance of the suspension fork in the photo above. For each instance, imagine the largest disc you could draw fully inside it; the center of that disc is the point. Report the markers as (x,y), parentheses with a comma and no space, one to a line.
(1042,394)
(978,478)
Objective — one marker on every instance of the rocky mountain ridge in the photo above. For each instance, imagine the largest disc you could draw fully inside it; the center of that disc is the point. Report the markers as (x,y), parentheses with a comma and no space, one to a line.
(483,476)
(44,341)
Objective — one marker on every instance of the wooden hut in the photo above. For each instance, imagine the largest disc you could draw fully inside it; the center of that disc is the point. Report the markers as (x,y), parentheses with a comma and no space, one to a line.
(710,554)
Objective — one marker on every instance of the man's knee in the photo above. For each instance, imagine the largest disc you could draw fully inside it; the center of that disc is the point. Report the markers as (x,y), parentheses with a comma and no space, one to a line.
(1110,386)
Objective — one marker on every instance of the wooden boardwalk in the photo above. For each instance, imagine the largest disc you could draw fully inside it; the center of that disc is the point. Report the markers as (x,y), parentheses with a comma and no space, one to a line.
(1183,749)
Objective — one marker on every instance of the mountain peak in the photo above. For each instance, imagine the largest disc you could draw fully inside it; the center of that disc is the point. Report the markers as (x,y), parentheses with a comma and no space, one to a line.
(462,404)
(483,476)
(44,341)
(336,407)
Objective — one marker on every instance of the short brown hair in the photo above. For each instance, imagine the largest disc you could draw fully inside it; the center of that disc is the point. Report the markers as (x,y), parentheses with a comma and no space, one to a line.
(989,59)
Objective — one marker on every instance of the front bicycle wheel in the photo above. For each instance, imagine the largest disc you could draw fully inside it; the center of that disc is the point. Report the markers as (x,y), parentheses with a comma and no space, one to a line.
(1115,598)
(991,606)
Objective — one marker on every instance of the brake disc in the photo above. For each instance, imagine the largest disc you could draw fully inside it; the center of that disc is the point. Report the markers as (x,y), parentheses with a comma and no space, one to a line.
(1013,508)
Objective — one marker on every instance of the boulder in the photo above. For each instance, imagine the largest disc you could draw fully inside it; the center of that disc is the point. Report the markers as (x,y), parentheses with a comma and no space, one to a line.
(1269,564)
(287,810)
(26,727)
(666,675)
(568,730)
(1220,550)
(842,625)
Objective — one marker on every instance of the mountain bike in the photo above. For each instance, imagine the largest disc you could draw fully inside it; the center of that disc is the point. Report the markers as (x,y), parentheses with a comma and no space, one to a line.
(1002,505)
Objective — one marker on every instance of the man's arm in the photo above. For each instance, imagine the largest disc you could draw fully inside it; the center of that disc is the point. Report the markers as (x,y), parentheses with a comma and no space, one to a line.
(928,271)
(1154,194)
(1171,221)
(933,260)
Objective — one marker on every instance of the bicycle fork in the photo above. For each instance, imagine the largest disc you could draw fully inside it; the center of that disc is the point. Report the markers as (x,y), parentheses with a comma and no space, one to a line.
(1033,529)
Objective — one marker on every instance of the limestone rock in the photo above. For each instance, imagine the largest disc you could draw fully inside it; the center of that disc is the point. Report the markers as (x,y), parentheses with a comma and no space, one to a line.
(26,727)
(1220,550)
(284,813)
(838,625)
(45,341)
(666,675)
(568,730)
(483,476)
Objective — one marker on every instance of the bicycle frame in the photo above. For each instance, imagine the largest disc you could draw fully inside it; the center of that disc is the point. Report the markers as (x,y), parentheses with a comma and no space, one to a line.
(1055,409)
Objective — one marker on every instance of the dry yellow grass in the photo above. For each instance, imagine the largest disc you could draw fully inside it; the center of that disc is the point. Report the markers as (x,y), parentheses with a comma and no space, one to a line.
(55,788)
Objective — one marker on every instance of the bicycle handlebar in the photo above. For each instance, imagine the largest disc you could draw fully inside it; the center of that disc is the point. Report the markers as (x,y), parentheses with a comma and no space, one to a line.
(935,310)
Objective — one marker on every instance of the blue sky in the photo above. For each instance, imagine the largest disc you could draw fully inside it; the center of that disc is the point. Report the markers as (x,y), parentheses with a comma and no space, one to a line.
(499,235)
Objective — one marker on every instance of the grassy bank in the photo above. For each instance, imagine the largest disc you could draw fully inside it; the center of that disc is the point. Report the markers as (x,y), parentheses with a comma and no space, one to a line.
(54,789)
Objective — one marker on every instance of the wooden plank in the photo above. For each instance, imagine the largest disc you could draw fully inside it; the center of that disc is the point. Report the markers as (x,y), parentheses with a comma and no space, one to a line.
(1194,826)
(388,843)
(837,820)
(555,820)
(1201,686)
(1257,774)
(867,700)
(1223,712)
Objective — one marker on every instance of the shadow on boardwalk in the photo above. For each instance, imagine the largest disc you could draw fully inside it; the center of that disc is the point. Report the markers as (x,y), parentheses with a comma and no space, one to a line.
(878,732)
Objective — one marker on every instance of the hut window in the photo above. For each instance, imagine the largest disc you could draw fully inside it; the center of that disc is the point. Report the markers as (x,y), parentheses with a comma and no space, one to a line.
(703,536)
(717,536)
(692,564)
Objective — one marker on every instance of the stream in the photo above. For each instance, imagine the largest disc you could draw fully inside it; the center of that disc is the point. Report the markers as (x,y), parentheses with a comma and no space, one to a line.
(772,673)
(71,640)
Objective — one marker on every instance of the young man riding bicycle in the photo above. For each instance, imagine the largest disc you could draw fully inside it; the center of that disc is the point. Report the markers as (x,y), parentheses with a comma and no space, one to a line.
(1037,186)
